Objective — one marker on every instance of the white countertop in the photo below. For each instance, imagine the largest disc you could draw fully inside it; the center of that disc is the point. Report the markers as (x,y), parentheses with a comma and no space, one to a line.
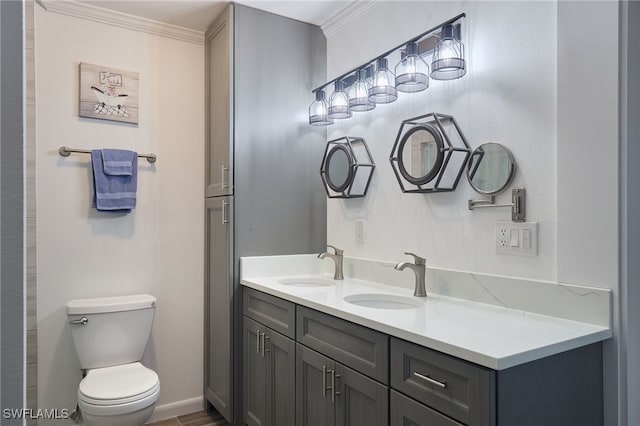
(493,336)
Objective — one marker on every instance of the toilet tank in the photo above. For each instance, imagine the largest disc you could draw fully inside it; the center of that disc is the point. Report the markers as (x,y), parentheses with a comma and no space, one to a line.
(116,330)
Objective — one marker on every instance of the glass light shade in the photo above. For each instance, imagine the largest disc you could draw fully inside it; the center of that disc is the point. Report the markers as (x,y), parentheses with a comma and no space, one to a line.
(412,72)
(383,90)
(359,94)
(448,56)
(339,103)
(319,111)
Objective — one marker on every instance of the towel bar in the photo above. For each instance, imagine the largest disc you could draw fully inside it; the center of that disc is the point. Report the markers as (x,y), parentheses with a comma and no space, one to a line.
(65,151)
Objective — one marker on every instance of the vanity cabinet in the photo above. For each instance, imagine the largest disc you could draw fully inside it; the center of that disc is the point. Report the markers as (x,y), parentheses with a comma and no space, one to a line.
(343,373)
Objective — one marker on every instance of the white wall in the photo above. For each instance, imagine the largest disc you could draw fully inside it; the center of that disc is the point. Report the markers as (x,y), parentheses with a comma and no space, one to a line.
(508,96)
(543,80)
(157,249)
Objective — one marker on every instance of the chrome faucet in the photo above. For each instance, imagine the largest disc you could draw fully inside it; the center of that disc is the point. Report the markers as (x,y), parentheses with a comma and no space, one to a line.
(337,259)
(419,268)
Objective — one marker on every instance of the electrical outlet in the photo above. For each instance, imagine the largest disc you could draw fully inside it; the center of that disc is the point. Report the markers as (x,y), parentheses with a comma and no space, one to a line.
(360,231)
(517,238)
(502,235)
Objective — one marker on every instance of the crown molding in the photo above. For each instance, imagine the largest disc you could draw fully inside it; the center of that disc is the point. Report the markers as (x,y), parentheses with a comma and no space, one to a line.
(122,20)
(347,15)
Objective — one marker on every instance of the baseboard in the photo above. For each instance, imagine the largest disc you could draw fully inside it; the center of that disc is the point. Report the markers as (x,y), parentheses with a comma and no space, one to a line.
(175,409)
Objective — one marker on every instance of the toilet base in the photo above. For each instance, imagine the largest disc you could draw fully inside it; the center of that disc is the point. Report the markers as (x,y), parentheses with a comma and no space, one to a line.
(137,418)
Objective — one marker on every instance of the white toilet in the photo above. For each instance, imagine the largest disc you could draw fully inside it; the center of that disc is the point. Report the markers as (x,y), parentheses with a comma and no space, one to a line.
(110,335)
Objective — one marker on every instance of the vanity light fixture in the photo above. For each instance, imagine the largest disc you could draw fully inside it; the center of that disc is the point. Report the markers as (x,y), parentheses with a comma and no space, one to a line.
(374,83)
(319,111)
(383,87)
(359,93)
(339,102)
(448,55)
(412,72)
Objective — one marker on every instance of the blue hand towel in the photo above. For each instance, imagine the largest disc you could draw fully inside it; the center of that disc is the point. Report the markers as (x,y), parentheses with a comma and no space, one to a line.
(113,192)
(118,161)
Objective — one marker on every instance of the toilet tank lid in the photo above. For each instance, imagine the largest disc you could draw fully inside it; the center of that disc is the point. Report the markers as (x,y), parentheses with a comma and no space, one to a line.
(110,304)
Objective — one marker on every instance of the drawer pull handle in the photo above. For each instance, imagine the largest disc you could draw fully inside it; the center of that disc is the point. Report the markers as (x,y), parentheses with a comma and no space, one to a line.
(258,342)
(430,380)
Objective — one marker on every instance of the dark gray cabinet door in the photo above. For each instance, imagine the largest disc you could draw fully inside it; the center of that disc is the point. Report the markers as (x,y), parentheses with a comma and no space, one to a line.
(359,399)
(269,388)
(219,312)
(281,379)
(255,386)
(313,399)
(219,105)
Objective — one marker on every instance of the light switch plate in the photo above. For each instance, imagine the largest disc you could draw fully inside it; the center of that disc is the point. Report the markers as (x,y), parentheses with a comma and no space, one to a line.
(517,238)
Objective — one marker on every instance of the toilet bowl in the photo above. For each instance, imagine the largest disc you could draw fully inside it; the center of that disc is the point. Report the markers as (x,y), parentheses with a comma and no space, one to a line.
(120,395)
(110,335)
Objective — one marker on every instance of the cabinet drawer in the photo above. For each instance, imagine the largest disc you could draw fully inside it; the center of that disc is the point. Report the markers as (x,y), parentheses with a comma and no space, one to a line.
(452,386)
(275,313)
(407,412)
(358,347)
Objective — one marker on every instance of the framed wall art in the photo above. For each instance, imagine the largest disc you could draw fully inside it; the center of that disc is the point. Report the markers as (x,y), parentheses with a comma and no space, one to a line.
(108,93)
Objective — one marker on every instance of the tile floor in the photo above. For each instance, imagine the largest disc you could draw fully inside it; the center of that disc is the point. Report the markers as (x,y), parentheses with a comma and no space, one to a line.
(195,419)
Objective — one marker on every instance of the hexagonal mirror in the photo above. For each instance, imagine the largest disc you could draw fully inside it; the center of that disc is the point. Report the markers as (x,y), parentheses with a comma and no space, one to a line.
(429,154)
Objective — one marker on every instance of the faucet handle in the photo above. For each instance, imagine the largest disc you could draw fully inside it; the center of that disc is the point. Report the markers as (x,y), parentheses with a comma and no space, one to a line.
(419,260)
(338,251)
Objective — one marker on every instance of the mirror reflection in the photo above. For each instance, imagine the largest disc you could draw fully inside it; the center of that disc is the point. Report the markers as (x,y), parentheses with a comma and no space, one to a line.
(420,154)
(338,168)
(491,168)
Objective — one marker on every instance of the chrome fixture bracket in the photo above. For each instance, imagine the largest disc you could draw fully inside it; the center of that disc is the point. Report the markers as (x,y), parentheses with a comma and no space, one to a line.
(518,204)
(426,43)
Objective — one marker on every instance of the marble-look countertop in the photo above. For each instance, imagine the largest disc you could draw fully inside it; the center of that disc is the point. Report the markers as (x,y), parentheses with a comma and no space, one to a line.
(496,337)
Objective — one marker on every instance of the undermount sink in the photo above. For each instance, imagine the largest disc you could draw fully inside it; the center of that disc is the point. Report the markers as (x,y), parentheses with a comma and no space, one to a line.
(383,301)
(307,282)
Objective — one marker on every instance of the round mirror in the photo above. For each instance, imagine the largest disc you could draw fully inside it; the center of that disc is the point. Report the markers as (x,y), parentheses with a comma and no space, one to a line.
(420,154)
(338,168)
(491,168)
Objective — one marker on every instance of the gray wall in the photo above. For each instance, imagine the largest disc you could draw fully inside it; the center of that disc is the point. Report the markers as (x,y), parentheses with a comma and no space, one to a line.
(11,209)
(280,203)
(630,211)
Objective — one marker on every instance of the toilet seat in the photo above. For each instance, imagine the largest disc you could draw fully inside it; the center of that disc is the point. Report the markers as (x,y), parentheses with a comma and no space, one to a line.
(118,389)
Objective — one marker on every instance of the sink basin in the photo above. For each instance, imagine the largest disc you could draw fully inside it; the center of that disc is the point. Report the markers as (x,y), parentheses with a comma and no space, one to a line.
(383,301)
(307,282)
